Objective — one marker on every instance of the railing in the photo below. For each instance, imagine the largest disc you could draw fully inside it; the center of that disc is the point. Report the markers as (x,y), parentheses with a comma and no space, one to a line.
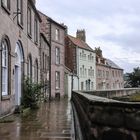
(102,118)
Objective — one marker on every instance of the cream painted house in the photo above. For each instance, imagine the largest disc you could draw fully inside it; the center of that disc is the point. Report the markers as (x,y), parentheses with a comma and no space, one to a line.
(81,60)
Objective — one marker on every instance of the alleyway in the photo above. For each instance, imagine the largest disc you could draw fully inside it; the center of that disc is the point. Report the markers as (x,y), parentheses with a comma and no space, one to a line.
(53,121)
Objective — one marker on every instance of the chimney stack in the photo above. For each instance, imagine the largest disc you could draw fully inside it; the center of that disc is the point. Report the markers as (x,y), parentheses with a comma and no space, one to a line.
(80,34)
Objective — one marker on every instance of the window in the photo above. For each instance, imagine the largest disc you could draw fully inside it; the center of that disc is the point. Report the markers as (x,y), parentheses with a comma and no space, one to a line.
(6,4)
(43,61)
(107,74)
(4,68)
(81,72)
(57,55)
(82,85)
(57,80)
(85,72)
(57,34)
(36,30)
(29,21)
(92,85)
(29,67)
(47,62)
(36,71)
(92,73)
(20,12)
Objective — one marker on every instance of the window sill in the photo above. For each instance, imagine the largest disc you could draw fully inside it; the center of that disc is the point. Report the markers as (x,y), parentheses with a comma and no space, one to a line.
(30,36)
(5,97)
(6,9)
(20,25)
(57,64)
(36,42)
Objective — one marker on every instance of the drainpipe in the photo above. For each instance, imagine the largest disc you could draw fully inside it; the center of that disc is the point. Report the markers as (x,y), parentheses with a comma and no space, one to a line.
(50,61)
(0,72)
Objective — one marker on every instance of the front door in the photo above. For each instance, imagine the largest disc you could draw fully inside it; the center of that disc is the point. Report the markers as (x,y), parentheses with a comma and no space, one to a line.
(17,85)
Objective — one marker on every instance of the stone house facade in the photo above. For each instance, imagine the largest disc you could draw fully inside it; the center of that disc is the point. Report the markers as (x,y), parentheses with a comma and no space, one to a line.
(19,50)
(108,74)
(81,60)
(55,34)
(45,65)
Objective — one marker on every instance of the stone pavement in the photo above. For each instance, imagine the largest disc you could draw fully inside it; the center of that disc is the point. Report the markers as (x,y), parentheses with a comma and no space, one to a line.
(53,121)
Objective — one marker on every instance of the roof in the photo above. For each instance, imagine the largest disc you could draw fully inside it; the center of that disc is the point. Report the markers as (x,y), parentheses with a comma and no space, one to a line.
(35,10)
(45,39)
(53,21)
(80,43)
(112,64)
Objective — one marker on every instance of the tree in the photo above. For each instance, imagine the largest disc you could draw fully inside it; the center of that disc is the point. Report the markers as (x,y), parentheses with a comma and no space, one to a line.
(134,78)
(31,94)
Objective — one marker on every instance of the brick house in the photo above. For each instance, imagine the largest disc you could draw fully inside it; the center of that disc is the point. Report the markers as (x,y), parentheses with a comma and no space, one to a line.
(55,34)
(19,50)
(45,65)
(108,74)
(80,59)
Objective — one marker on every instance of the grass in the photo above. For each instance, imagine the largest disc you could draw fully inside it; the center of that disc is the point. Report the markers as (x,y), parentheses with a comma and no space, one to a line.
(131,98)
(8,119)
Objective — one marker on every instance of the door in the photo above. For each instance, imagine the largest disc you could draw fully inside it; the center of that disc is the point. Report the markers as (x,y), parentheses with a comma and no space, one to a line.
(17,85)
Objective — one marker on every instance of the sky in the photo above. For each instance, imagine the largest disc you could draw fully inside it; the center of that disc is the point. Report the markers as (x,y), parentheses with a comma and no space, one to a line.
(112,25)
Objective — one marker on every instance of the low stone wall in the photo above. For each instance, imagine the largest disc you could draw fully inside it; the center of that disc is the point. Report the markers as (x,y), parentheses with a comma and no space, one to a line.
(114,93)
(102,119)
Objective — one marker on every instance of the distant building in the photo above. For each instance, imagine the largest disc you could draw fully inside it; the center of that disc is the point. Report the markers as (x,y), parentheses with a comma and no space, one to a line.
(108,74)
(55,34)
(80,59)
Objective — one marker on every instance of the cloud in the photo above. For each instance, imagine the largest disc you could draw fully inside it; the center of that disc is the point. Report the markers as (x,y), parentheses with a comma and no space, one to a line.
(114,25)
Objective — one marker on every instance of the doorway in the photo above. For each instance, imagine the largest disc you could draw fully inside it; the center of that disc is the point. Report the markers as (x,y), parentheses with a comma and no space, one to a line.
(18,73)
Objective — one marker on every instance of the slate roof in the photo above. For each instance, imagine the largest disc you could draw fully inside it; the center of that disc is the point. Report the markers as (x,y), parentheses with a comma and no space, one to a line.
(112,64)
(80,43)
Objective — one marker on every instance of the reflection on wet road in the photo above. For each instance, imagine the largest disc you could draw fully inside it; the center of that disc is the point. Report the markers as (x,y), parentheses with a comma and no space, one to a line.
(53,121)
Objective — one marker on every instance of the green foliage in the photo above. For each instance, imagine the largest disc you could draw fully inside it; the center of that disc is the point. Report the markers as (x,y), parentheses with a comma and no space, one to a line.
(134,78)
(31,94)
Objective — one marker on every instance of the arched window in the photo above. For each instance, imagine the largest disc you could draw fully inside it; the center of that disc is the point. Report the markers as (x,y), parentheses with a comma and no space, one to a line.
(5,67)
(29,67)
(36,71)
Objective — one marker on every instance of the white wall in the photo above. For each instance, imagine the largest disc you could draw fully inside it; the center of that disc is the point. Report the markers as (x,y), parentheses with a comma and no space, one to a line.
(83,60)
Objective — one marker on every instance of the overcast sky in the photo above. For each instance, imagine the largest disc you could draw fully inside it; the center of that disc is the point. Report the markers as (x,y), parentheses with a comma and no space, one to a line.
(114,25)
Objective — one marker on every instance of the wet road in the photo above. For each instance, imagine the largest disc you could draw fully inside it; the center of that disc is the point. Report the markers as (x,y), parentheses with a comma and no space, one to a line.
(53,121)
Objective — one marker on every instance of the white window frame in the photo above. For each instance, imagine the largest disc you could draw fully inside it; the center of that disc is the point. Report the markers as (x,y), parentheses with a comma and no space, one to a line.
(4,68)
(57,80)
(57,34)
(57,55)
(20,12)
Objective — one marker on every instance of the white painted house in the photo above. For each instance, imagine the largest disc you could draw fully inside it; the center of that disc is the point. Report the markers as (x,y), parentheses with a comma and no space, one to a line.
(81,60)
(86,69)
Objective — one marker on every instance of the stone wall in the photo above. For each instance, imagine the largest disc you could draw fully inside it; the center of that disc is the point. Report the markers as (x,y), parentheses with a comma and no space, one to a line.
(105,119)
(114,93)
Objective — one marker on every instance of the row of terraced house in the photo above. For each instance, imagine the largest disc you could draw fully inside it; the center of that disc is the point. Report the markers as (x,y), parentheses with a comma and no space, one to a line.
(34,45)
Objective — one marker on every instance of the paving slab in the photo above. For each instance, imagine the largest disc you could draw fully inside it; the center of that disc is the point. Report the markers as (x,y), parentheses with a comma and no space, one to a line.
(53,121)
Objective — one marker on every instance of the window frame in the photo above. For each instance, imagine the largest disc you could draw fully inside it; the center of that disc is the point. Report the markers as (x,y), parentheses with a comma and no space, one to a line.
(57,79)
(20,12)
(29,67)
(29,21)
(6,6)
(5,68)
(36,30)
(57,34)
(57,55)
(36,71)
